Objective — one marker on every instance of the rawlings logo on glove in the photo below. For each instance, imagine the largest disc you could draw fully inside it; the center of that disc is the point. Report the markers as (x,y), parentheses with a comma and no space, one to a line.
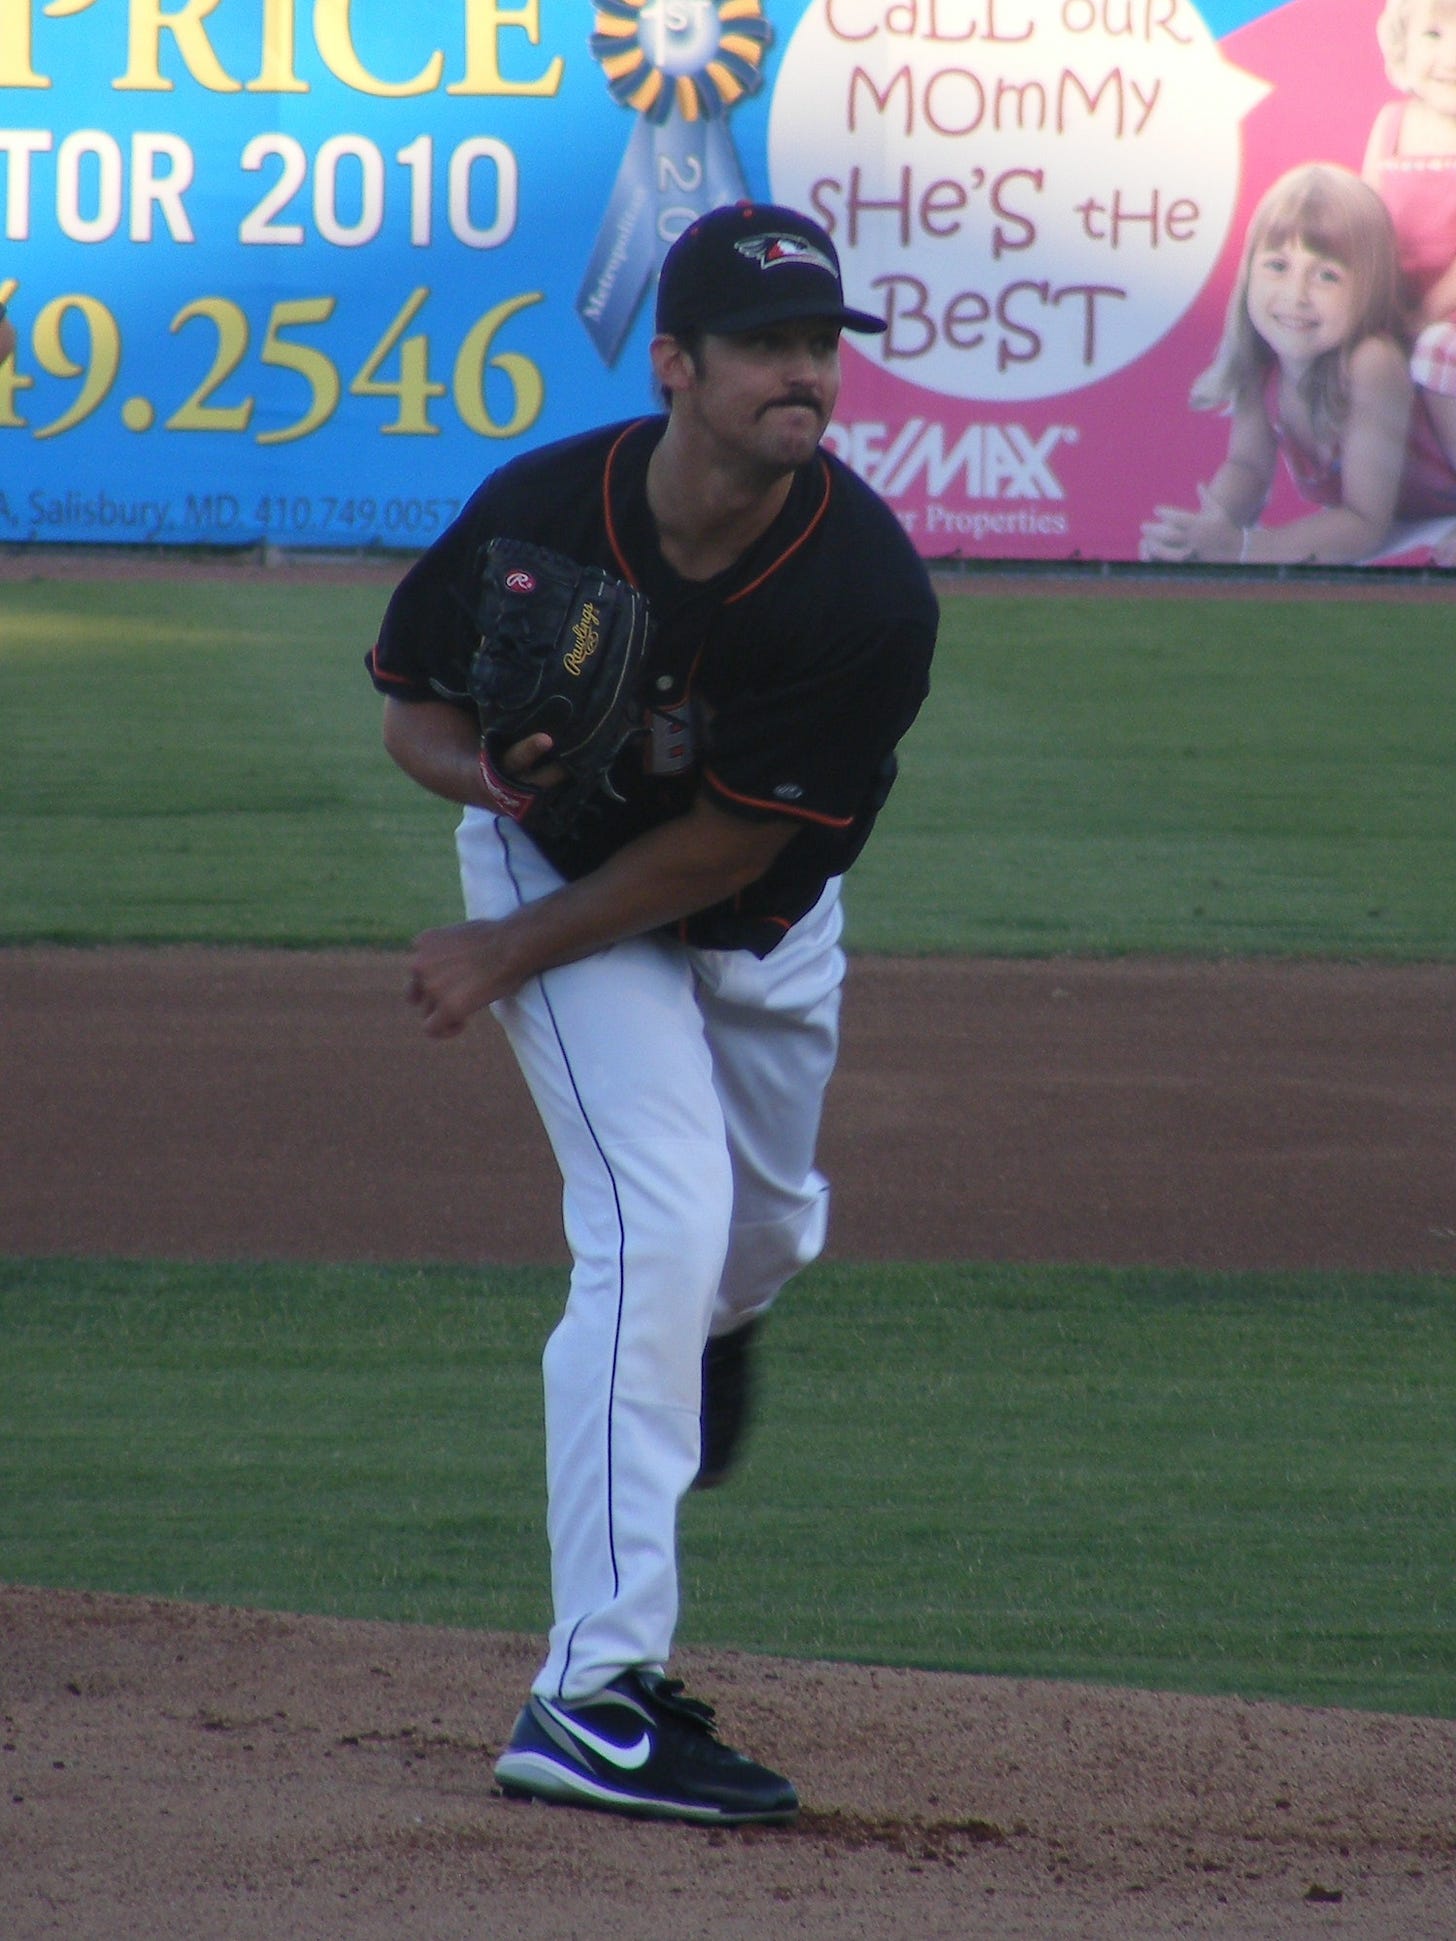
(587,631)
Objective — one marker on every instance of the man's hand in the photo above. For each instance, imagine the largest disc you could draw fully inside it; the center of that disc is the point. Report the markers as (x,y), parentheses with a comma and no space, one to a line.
(438,746)
(687,864)
(460,969)
(528,761)
(526,771)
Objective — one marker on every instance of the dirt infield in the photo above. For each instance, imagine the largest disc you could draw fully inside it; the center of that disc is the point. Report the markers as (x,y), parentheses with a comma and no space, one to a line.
(210,1103)
(181,1774)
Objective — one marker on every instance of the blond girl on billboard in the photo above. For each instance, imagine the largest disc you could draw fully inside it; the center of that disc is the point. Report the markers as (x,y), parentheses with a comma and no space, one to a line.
(1313,366)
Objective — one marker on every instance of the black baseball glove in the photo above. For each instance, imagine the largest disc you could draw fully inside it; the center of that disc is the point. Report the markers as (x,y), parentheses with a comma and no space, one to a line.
(561,653)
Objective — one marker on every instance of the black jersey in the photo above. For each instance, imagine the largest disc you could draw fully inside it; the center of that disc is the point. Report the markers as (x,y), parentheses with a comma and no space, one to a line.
(781,686)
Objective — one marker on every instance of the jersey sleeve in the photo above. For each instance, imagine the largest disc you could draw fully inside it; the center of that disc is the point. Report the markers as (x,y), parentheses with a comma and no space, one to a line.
(427,636)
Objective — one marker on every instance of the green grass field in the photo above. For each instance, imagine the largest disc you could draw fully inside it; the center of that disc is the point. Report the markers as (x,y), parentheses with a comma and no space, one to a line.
(1208,1483)
(201,760)
(1178,1480)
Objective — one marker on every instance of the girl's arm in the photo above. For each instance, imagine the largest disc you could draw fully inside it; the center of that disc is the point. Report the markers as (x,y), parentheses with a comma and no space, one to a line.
(1240,488)
(1372,460)
(1440,300)
(1230,502)
(1381,142)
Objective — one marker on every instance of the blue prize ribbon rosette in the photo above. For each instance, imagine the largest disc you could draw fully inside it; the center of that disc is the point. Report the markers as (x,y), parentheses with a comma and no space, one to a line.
(680,66)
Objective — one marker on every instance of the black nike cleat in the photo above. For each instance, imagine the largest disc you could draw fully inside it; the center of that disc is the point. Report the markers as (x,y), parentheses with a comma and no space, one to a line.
(639,1746)
(727,1400)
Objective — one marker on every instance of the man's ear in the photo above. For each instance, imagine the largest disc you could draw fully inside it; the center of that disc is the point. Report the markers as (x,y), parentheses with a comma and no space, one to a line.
(672,364)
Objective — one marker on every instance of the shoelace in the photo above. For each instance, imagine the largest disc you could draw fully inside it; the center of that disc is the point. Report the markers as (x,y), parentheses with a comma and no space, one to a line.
(670,1694)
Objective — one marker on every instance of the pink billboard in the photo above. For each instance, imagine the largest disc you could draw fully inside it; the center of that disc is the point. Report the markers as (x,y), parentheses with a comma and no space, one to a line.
(1151,294)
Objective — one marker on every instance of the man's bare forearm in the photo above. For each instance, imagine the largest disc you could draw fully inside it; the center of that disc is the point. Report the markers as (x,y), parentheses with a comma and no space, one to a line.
(689,864)
(438,746)
(671,872)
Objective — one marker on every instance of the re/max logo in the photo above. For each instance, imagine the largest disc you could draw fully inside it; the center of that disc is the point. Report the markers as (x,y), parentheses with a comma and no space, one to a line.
(986,461)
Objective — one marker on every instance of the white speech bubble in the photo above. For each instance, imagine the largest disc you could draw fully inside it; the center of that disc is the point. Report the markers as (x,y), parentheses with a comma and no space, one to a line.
(1032,191)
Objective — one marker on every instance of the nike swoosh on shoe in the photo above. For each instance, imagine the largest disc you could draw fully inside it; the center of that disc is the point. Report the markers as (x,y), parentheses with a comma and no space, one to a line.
(625,1758)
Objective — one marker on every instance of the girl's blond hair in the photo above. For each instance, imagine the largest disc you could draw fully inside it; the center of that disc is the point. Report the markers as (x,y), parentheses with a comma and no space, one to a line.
(1332,213)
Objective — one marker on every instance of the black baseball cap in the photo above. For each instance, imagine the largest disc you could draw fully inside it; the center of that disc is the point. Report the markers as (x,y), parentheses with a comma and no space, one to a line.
(749,264)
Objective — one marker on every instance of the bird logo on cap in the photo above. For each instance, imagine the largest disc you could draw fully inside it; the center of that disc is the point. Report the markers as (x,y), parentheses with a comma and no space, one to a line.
(767,251)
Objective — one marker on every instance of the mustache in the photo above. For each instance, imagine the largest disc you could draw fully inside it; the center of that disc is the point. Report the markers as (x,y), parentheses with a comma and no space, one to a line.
(794,400)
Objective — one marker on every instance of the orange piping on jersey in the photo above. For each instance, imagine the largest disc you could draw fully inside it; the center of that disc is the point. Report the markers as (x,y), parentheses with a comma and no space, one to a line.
(742,594)
(684,924)
(788,553)
(610,523)
(383,673)
(778,808)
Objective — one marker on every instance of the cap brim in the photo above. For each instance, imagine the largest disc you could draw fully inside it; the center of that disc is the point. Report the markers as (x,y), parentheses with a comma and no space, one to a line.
(756,317)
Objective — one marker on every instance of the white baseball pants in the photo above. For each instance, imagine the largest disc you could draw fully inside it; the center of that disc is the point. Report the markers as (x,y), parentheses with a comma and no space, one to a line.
(682,1091)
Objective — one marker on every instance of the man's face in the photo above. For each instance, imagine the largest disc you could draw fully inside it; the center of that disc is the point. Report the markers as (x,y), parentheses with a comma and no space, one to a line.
(766,395)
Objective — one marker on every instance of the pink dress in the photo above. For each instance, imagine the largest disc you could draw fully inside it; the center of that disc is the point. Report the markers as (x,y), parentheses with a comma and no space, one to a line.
(1427,486)
(1420,193)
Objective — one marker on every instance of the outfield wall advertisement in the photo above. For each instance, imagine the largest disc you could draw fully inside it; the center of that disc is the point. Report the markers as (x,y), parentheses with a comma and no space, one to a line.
(301,271)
